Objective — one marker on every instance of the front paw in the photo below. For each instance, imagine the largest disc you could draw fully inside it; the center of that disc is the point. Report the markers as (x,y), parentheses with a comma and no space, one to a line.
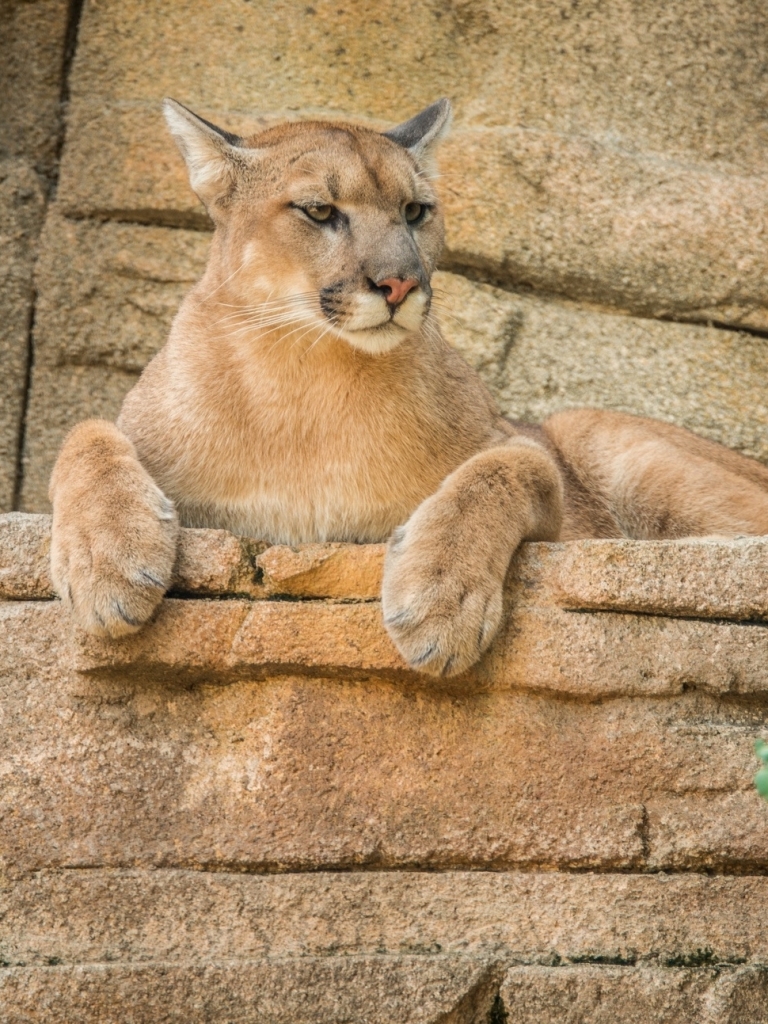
(112,563)
(441,607)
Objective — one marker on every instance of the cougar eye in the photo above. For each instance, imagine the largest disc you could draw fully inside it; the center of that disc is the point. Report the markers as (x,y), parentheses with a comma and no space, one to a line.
(319,213)
(414,212)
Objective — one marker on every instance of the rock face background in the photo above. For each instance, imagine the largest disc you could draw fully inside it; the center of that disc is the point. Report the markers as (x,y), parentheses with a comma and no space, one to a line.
(606,190)
(251,812)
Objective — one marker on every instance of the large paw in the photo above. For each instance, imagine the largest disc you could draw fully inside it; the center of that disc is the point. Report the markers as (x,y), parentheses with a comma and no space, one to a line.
(112,562)
(441,607)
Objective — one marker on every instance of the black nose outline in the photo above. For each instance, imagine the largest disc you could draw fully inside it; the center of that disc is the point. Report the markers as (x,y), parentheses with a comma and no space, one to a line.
(385,289)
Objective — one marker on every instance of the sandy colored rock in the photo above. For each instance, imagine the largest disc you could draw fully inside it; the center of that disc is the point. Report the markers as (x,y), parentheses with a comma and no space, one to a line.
(299,772)
(25,556)
(60,397)
(324,570)
(271,775)
(31,66)
(540,356)
(703,578)
(111,302)
(708,830)
(379,990)
(21,212)
(595,656)
(588,221)
(697,578)
(603,995)
(177,916)
(687,82)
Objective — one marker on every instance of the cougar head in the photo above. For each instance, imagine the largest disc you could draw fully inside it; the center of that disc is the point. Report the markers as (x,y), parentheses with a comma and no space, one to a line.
(330,228)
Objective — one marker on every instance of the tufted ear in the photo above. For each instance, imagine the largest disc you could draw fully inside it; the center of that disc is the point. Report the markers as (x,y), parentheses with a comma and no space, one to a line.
(207,151)
(423,132)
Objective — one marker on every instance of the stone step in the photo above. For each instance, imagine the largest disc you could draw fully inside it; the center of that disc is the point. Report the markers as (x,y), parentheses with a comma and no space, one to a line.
(329,990)
(126,916)
(380,990)
(279,729)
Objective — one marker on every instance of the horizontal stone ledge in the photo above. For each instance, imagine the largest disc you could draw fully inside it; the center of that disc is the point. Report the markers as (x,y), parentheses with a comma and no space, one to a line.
(148,766)
(211,563)
(330,990)
(378,990)
(694,578)
(195,917)
(566,214)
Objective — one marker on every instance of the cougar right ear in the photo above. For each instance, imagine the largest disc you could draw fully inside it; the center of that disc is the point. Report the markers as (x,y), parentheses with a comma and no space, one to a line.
(207,151)
(422,133)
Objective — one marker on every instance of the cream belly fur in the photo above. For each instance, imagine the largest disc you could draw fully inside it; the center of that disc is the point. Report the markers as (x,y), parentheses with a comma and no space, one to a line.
(306,394)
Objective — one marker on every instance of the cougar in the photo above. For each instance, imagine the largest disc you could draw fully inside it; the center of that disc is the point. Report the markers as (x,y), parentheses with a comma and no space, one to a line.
(306,394)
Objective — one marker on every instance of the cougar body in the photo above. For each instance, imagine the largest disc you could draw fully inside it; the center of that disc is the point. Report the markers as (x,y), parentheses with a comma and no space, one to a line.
(306,394)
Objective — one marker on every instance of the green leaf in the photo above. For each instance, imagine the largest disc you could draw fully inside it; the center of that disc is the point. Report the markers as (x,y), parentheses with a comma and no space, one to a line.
(761,750)
(761,783)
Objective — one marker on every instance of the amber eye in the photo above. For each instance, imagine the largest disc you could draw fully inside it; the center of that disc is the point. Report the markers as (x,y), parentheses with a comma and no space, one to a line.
(414,212)
(319,213)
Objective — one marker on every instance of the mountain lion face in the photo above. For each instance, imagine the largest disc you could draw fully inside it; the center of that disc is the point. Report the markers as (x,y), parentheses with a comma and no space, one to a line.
(334,227)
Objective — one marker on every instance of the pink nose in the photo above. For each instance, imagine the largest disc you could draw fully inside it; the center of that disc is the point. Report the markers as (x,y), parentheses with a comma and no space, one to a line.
(395,290)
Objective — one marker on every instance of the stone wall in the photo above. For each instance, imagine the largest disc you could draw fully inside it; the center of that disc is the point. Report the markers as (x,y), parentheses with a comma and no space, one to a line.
(252,811)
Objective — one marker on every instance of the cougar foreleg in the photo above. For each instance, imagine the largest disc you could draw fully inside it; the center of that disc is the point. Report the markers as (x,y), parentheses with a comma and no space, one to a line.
(445,568)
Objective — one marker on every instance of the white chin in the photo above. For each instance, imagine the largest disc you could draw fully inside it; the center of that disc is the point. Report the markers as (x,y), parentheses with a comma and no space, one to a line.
(376,340)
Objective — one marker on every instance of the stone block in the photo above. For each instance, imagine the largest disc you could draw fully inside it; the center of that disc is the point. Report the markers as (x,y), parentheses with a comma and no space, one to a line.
(379,990)
(706,830)
(603,995)
(60,397)
(160,763)
(32,61)
(540,356)
(180,916)
(269,774)
(21,212)
(110,302)
(687,83)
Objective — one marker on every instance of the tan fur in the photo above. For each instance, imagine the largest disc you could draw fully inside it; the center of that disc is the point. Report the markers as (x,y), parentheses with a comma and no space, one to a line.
(293,403)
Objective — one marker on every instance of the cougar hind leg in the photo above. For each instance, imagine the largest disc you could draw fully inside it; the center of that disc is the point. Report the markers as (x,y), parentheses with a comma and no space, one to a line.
(634,477)
(114,535)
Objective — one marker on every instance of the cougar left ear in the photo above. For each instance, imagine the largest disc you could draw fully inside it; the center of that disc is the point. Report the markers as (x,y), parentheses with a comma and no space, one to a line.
(207,151)
(423,132)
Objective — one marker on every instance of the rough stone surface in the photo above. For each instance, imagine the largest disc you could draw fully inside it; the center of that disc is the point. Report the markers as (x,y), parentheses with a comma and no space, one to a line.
(25,556)
(422,990)
(541,356)
(112,301)
(243,748)
(60,397)
(623,72)
(31,66)
(177,916)
(21,212)
(603,995)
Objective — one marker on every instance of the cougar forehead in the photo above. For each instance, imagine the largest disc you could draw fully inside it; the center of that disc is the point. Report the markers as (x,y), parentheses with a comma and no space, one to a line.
(349,163)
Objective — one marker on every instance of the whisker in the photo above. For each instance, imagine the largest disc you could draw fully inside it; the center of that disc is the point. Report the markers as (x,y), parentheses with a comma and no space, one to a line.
(226,280)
